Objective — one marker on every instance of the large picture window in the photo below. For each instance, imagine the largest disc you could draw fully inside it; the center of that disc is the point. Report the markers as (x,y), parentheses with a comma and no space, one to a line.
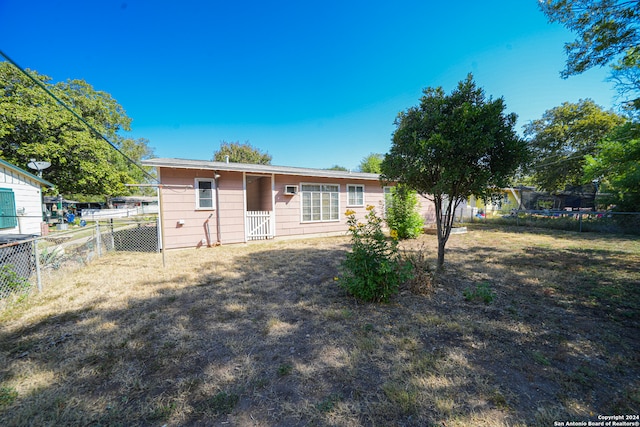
(204,194)
(320,202)
(8,218)
(355,195)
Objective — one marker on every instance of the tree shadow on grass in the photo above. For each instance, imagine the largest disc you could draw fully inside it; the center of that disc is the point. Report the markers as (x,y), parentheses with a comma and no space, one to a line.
(579,310)
(269,338)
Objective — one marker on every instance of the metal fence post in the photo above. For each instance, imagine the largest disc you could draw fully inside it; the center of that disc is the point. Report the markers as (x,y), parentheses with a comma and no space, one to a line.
(37,259)
(112,237)
(580,221)
(98,240)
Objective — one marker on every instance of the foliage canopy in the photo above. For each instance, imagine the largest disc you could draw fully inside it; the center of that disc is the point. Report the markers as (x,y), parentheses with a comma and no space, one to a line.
(617,168)
(450,147)
(606,29)
(607,33)
(35,126)
(371,163)
(561,140)
(241,153)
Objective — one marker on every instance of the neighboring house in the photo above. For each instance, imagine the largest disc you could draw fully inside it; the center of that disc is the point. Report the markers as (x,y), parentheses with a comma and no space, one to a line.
(208,203)
(57,207)
(508,201)
(529,198)
(143,204)
(20,201)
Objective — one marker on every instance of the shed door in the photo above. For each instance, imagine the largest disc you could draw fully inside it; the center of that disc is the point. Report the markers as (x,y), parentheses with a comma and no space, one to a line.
(8,218)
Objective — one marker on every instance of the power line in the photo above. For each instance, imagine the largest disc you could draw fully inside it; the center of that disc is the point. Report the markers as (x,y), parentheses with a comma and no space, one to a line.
(76,115)
(561,160)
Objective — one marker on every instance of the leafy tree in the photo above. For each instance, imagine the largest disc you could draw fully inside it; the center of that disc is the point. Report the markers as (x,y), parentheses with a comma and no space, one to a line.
(241,153)
(338,168)
(136,150)
(607,33)
(371,163)
(626,77)
(617,168)
(450,147)
(561,140)
(34,125)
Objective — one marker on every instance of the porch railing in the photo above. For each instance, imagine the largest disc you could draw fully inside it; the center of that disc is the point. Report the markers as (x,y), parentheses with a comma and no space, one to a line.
(259,225)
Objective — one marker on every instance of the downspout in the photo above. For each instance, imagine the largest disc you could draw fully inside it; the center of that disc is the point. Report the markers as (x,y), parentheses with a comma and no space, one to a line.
(216,177)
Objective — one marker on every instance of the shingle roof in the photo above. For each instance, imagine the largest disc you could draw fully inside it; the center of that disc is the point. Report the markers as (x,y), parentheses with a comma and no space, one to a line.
(253,168)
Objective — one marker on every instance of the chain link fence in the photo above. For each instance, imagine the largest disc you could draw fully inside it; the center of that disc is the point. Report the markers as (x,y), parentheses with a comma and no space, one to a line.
(27,263)
(581,221)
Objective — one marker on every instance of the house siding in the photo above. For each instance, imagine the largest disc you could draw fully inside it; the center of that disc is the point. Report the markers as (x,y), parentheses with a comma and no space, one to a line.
(179,205)
(234,198)
(185,226)
(28,200)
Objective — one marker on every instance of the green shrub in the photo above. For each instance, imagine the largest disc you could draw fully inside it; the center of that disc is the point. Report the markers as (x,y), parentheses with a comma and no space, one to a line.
(373,270)
(222,403)
(482,293)
(10,279)
(7,396)
(402,213)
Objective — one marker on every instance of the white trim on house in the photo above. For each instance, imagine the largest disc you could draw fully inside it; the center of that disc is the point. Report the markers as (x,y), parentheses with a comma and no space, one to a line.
(259,224)
(355,203)
(244,206)
(386,196)
(321,191)
(252,168)
(25,190)
(273,205)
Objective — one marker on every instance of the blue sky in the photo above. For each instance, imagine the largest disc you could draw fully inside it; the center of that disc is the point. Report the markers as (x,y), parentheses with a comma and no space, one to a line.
(313,83)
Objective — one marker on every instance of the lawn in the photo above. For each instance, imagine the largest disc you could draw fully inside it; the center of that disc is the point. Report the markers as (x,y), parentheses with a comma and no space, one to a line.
(523,328)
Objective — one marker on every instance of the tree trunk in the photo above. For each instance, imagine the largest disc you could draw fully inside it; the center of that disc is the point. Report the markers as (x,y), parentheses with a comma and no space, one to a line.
(444,223)
(441,233)
(441,244)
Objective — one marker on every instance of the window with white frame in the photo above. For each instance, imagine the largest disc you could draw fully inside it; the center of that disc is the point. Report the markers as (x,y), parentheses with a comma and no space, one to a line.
(388,198)
(320,202)
(204,193)
(355,195)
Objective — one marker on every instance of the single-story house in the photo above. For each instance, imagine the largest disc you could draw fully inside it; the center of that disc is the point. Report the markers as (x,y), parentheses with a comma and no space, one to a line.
(508,201)
(144,204)
(21,206)
(209,203)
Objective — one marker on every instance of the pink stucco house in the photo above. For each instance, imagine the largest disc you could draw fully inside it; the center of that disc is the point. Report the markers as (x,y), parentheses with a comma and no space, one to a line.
(209,203)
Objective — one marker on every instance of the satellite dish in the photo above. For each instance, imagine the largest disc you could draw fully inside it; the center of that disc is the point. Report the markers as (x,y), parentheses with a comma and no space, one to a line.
(38,166)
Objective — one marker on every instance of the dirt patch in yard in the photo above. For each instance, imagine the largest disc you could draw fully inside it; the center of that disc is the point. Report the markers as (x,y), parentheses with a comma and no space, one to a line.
(262,335)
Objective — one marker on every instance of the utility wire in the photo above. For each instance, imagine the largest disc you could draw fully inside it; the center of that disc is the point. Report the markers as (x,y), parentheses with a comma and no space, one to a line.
(561,160)
(76,115)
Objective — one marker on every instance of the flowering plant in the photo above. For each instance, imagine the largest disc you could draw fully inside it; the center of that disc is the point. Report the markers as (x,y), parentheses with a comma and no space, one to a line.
(372,271)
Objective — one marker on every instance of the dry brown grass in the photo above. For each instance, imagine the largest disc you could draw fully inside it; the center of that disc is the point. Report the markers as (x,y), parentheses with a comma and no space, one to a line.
(261,335)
